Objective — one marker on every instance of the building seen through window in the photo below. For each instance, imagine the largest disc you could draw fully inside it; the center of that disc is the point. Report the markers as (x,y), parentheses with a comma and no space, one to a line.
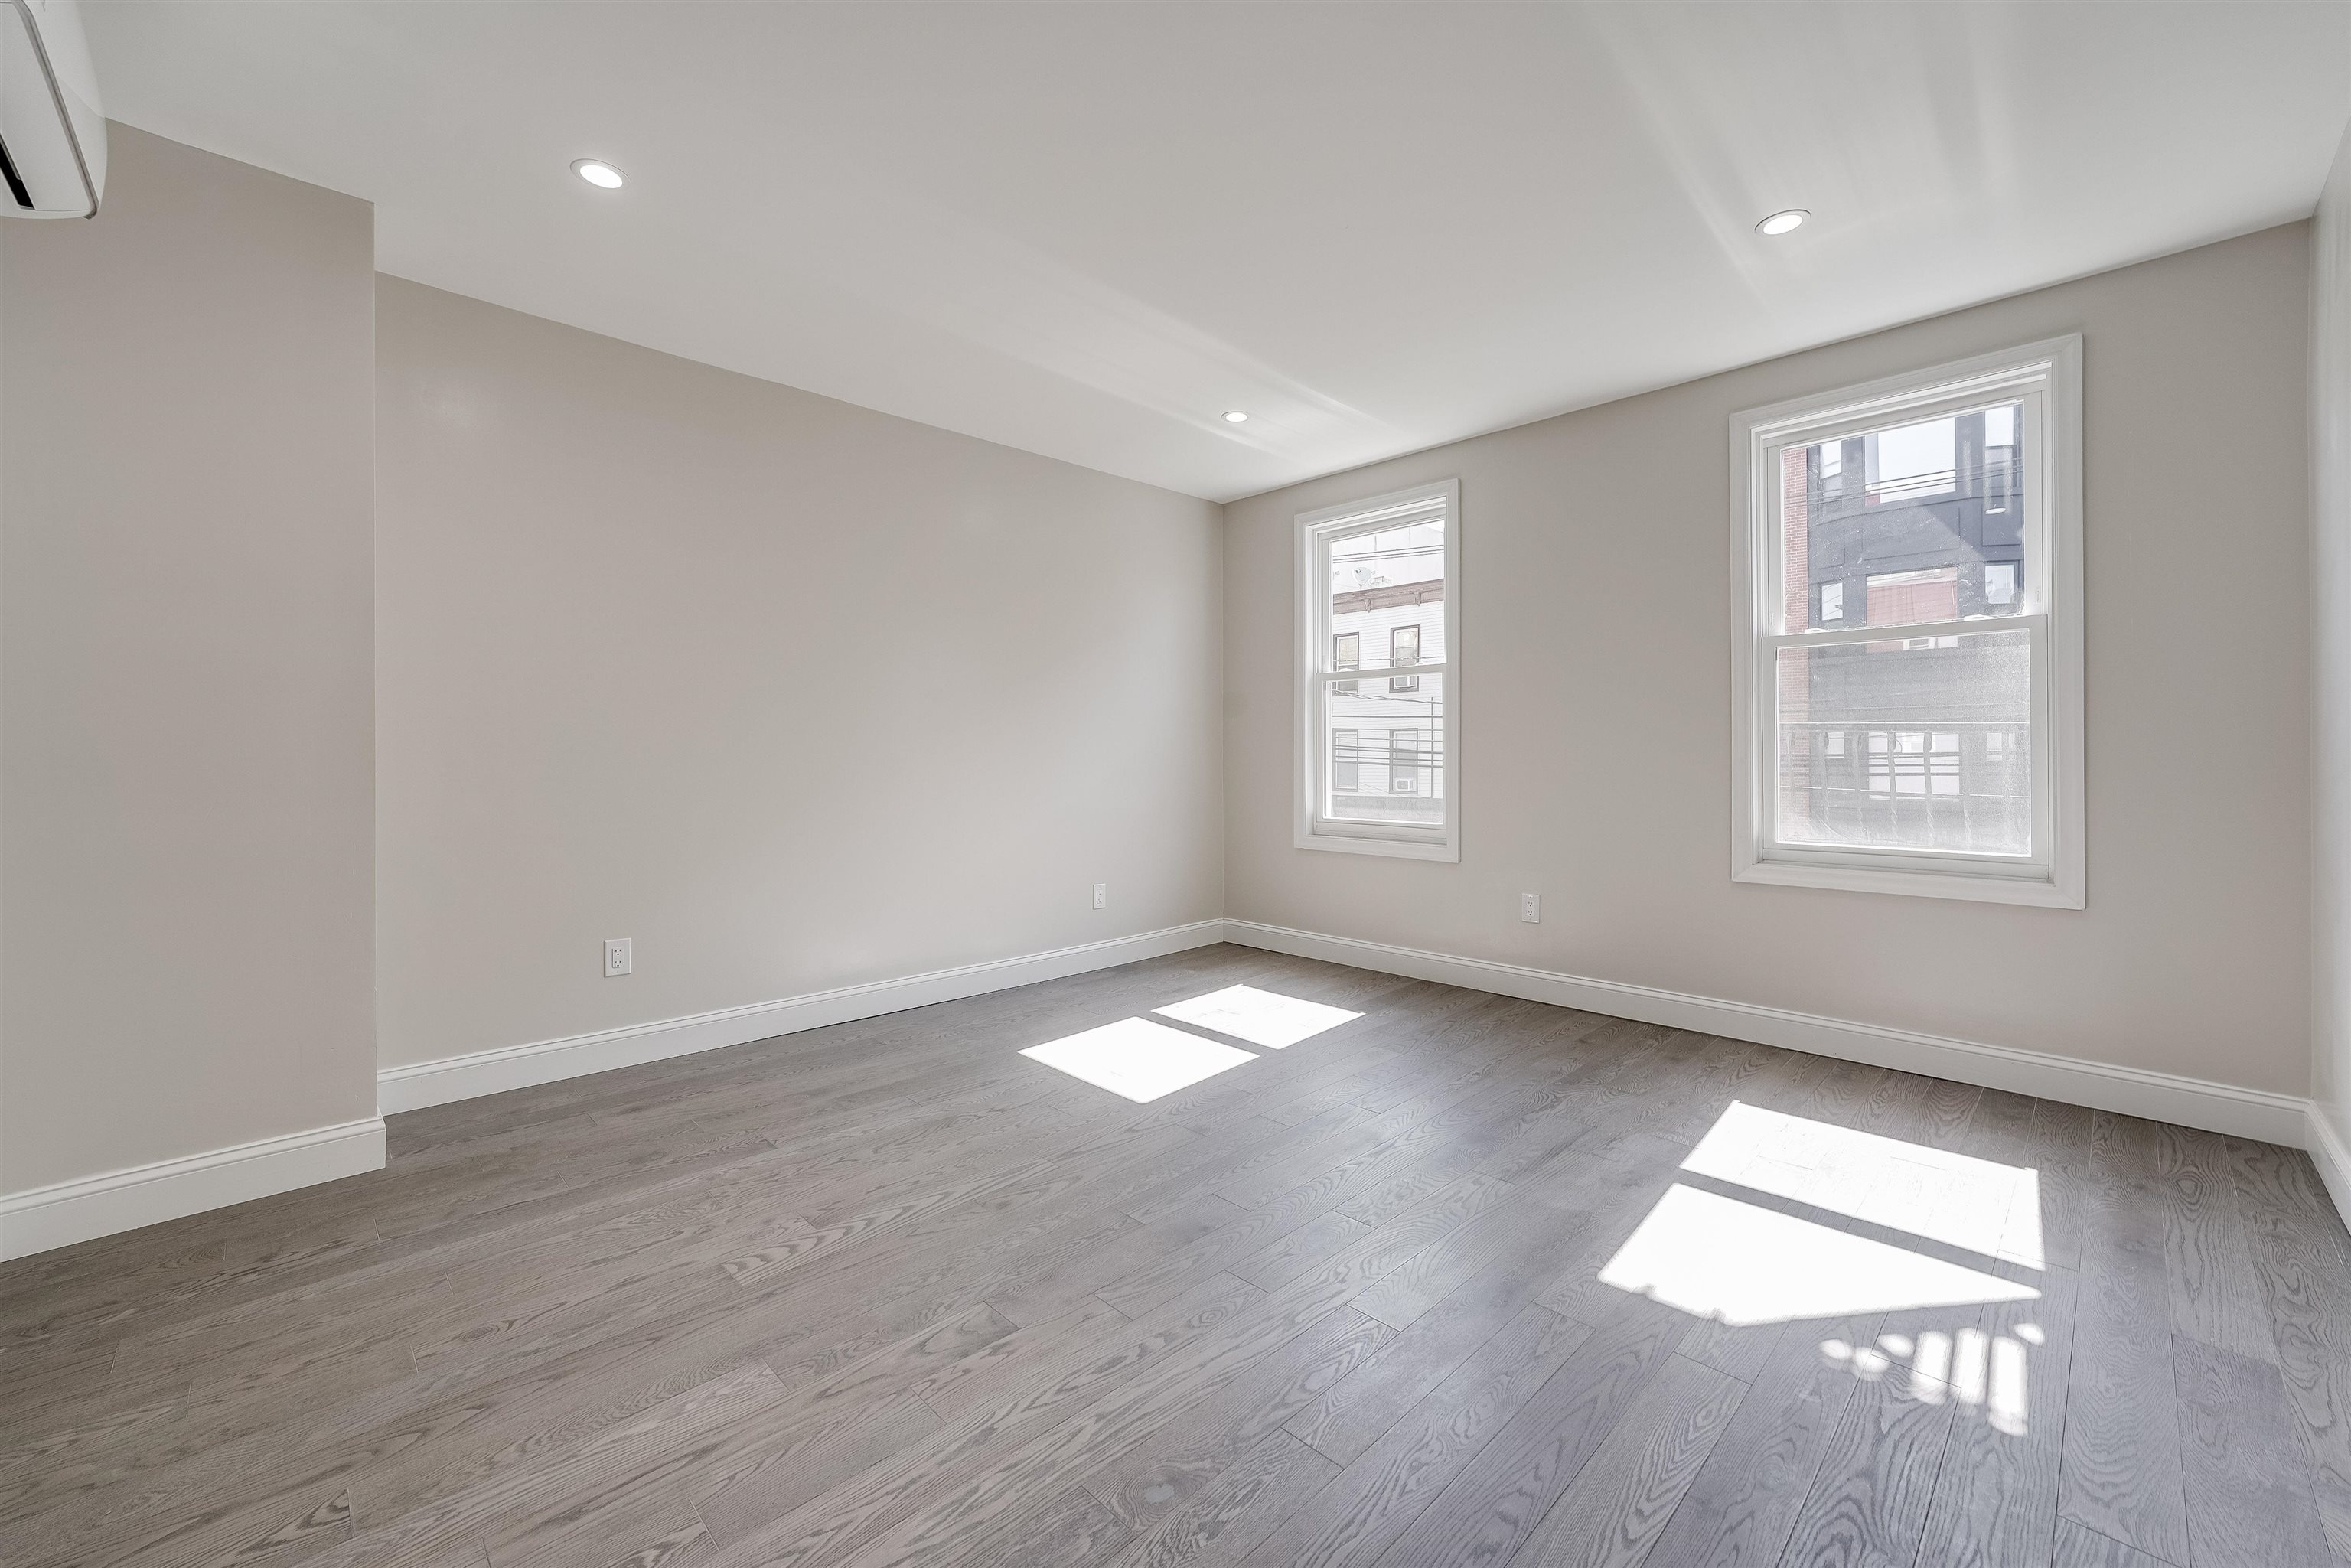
(1920,739)
(1387,734)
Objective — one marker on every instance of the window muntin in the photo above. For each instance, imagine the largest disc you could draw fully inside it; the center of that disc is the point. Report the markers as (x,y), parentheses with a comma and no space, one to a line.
(1944,759)
(1377,753)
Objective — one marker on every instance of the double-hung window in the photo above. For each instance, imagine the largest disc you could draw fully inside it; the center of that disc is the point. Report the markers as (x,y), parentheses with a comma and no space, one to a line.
(1379,660)
(1907,651)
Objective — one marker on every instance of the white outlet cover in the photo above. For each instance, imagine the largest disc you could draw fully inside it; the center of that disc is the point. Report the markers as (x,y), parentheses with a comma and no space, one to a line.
(1530,908)
(617,958)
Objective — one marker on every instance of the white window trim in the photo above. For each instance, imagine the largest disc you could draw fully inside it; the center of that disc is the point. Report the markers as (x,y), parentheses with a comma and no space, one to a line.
(1315,832)
(2055,877)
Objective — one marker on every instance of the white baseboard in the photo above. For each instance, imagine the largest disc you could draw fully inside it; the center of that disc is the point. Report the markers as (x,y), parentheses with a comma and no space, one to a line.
(71,1211)
(2158,1096)
(67,1212)
(2334,1161)
(415,1085)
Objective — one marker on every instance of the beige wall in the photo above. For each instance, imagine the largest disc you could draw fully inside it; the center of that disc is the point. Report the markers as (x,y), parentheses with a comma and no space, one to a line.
(2330,396)
(792,693)
(798,695)
(186,735)
(1596,770)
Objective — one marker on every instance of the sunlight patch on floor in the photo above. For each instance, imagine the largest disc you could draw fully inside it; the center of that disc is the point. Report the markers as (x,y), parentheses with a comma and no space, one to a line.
(1137,1057)
(1261,1018)
(1740,1264)
(1986,1207)
(1970,1367)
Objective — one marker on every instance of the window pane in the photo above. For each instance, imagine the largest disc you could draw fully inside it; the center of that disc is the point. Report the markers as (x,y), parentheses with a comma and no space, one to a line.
(1914,744)
(1386,753)
(1917,522)
(1388,591)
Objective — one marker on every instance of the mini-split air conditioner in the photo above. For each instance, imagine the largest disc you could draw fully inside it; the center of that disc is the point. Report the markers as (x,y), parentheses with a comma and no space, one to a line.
(52,130)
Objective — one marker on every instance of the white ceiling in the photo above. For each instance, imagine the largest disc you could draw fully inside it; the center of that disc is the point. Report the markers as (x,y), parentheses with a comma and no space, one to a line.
(1088,230)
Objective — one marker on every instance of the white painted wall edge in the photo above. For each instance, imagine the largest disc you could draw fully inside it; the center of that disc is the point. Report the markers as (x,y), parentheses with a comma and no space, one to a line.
(2333,1163)
(79,1210)
(2157,1096)
(415,1085)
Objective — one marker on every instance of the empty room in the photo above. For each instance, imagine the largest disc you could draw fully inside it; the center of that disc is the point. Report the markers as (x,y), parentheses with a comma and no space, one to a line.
(1158,784)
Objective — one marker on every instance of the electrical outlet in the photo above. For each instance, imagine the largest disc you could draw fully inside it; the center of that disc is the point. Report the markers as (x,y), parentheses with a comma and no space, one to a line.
(1101,896)
(1530,908)
(618,959)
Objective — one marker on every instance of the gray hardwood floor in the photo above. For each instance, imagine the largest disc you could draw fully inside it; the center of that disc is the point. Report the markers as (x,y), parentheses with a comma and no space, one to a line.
(1443,1284)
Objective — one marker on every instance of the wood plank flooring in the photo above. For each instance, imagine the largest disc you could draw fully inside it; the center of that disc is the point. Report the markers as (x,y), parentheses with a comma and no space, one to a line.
(892,1293)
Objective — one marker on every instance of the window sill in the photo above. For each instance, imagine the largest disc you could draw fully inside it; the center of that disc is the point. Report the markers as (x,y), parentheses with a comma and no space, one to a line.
(2039,893)
(1417,849)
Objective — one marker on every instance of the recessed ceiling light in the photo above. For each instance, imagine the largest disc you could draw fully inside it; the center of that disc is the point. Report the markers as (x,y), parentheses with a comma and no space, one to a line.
(1781,223)
(596,172)
(1235,416)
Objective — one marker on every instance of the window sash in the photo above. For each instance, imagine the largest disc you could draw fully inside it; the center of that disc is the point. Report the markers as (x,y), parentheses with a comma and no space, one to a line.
(1432,786)
(2036,863)
(1768,845)
(2031,594)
